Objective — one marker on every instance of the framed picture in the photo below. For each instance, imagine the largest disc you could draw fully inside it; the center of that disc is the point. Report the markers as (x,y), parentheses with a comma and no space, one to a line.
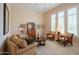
(6,19)
(30,26)
(37,26)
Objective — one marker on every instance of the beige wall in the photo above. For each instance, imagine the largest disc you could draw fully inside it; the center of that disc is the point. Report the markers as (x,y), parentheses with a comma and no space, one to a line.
(63,7)
(20,15)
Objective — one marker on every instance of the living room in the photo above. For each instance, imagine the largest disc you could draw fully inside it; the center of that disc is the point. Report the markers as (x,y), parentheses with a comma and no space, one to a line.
(41,14)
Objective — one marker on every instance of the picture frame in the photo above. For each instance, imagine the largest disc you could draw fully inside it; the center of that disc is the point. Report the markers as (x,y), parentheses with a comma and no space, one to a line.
(30,26)
(5,19)
(37,26)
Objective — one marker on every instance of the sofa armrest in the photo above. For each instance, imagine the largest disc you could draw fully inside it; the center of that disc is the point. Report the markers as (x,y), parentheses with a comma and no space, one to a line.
(12,47)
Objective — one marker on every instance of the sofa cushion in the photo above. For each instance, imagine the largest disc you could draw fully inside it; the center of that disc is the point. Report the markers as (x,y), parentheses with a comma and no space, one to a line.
(18,35)
(29,47)
(19,42)
(24,44)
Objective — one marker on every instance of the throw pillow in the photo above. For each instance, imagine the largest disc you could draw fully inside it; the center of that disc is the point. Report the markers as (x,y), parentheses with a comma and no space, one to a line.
(24,44)
(17,41)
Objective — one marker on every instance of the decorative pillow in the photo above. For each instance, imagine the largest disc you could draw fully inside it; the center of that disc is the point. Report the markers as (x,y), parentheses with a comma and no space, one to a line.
(17,41)
(24,44)
(18,35)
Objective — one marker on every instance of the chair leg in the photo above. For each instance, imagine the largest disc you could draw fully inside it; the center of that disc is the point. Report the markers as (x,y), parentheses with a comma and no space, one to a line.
(64,43)
(71,43)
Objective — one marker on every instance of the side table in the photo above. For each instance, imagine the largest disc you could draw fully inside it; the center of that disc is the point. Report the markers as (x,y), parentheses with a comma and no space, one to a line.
(41,41)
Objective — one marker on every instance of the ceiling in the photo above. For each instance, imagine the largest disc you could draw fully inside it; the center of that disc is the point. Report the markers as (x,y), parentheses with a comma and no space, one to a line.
(38,7)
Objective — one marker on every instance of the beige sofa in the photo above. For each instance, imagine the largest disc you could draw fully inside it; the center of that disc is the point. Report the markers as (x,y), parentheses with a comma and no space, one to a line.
(20,48)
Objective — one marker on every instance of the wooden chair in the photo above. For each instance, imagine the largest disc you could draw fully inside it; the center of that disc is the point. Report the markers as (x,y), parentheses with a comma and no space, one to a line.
(58,36)
(67,39)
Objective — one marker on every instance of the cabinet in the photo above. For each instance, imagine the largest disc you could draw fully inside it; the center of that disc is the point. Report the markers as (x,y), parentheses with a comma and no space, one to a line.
(31,30)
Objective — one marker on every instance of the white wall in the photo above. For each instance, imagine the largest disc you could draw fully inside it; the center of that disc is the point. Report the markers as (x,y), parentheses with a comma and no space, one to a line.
(2,37)
(78,22)
(1,23)
(20,15)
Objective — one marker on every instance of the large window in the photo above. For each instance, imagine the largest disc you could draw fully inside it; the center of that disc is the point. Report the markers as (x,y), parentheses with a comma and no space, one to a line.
(72,20)
(53,22)
(61,22)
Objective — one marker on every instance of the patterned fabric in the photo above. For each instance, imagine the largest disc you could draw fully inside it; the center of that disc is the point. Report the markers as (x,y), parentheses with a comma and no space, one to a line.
(11,47)
(18,41)
(18,46)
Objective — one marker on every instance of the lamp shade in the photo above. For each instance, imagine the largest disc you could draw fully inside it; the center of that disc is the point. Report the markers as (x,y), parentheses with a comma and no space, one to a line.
(20,28)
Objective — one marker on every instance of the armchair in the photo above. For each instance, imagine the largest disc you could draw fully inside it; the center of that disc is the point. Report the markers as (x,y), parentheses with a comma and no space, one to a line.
(50,35)
(66,38)
(69,40)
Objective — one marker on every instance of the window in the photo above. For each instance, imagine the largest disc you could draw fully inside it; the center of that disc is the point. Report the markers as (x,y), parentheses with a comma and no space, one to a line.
(61,22)
(53,22)
(72,20)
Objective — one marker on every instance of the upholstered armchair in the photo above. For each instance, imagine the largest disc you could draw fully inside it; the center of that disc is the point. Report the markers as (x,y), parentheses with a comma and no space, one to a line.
(50,35)
(66,38)
(69,39)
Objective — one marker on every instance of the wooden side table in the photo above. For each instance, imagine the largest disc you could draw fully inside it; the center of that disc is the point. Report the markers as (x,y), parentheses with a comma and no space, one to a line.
(41,41)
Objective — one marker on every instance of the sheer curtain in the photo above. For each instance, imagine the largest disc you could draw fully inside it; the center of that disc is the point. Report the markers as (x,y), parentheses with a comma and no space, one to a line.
(72,20)
(53,22)
(61,22)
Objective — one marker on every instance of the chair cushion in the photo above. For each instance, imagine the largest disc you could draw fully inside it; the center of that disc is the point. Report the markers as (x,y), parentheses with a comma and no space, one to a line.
(51,33)
(68,34)
(50,36)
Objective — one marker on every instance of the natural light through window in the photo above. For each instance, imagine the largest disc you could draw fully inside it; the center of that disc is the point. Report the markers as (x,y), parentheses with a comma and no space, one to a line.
(53,22)
(61,22)
(72,20)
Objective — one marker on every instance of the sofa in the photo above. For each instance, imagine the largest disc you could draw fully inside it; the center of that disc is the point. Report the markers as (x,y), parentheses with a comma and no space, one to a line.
(17,46)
